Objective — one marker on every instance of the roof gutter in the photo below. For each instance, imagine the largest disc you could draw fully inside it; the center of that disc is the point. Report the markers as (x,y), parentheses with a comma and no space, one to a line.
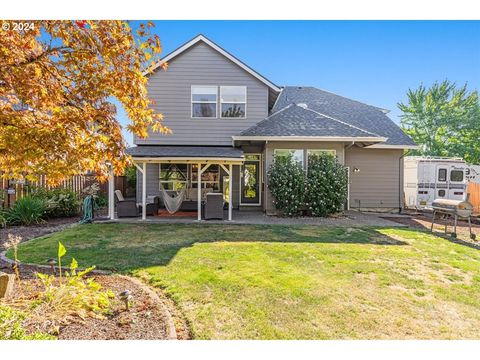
(398,147)
(311,138)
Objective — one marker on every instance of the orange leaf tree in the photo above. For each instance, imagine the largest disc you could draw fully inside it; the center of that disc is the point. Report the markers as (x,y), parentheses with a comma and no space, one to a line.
(57,83)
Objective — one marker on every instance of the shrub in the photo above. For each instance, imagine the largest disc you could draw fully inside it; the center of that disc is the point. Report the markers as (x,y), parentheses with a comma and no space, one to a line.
(11,326)
(320,192)
(327,185)
(3,219)
(287,185)
(59,202)
(26,211)
(101,201)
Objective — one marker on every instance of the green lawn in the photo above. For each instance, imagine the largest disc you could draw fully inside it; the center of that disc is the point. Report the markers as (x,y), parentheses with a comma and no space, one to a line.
(291,282)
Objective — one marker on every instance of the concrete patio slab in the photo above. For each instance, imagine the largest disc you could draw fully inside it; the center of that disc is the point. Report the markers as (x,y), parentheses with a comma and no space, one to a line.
(349,218)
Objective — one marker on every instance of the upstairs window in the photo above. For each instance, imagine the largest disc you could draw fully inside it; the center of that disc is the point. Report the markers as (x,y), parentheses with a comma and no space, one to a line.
(233,101)
(204,101)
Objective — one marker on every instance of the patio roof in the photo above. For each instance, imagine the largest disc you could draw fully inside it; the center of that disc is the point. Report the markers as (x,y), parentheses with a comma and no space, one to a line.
(154,153)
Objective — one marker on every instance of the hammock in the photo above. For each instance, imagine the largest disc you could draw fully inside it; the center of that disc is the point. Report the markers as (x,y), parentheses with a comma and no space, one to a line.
(172,203)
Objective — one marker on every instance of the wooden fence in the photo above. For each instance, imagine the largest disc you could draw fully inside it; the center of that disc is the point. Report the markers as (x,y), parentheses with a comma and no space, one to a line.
(10,190)
(474,192)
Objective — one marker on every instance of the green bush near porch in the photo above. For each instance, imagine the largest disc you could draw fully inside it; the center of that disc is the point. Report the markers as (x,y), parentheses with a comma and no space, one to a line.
(286,181)
(327,185)
(319,192)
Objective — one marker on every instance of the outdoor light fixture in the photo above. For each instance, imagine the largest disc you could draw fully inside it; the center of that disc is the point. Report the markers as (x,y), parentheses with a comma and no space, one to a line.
(356,170)
(52,262)
(126,297)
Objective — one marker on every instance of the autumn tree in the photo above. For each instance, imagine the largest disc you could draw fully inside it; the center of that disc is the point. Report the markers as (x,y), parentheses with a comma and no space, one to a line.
(444,120)
(57,82)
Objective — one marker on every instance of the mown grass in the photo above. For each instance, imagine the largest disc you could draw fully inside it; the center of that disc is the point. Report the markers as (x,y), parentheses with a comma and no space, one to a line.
(291,282)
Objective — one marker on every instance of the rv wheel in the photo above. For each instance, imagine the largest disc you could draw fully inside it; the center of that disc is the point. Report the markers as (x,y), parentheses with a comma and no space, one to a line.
(453,235)
(473,236)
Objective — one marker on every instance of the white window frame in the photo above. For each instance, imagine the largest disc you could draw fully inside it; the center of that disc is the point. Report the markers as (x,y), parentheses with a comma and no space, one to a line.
(290,149)
(260,181)
(324,150)
(232,102)
(204,102)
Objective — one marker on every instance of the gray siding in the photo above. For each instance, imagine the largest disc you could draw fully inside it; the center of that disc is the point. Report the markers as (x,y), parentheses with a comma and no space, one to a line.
(152,181)
(268,156)
(377,185)
(171,90)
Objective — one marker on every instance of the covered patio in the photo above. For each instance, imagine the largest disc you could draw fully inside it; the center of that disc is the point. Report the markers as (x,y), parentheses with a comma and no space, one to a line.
(196,159)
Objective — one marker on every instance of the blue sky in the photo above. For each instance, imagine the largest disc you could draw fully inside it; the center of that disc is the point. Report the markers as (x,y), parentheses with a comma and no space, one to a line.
(375,62)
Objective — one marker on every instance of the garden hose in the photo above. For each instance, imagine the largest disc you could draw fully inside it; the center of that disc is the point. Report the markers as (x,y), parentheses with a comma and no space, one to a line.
(87,210)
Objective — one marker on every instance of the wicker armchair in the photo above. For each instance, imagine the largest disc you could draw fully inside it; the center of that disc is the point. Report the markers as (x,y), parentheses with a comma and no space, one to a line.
(125,207)
(214,206)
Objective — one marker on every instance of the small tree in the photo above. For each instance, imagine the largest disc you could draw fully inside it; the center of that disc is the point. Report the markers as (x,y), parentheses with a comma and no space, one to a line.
(327,185)
(444,119)
(287,185)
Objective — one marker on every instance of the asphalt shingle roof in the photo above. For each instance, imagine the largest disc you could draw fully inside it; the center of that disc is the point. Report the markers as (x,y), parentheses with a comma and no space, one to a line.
(294,120)
(184,151)
(370,119)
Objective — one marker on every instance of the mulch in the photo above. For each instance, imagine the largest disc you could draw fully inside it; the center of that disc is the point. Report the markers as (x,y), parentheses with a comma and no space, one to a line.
(148,318)
(33,231)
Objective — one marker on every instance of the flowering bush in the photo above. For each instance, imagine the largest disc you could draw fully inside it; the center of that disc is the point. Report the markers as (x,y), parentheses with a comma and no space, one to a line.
(327,185)
(287,185)
(320,192)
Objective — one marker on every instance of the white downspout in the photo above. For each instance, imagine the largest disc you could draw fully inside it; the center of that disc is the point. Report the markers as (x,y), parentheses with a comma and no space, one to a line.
(111,191)
(199,193)
(230,195)
(144,191)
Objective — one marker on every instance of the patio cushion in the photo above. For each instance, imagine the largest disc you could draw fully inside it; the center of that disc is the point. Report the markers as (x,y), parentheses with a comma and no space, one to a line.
(119,195)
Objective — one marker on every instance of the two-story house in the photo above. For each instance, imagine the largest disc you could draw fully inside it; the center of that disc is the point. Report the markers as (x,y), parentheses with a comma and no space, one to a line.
(228,121)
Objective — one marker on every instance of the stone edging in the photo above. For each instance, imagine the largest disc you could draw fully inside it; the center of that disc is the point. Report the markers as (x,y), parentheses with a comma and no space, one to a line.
(3,257)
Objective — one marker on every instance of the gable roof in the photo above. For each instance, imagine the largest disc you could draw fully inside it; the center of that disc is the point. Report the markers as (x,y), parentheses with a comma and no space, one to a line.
(296,120)
(365,117)
(219,49)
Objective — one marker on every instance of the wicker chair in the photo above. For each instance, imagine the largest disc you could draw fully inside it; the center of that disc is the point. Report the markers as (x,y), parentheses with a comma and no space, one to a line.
(125,207)
(214,206)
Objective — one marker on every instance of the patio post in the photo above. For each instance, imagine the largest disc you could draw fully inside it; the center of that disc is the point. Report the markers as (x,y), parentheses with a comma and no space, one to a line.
(144,191)
(111,195)
(199,192)
(230,195)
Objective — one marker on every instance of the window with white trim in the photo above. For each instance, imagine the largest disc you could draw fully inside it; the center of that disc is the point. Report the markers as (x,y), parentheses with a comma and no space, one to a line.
(233,101)
(321,152)
(297,154)
(204,101)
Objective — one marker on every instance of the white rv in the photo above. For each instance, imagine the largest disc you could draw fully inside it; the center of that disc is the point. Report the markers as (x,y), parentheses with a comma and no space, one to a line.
(473,174)
(430,178)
